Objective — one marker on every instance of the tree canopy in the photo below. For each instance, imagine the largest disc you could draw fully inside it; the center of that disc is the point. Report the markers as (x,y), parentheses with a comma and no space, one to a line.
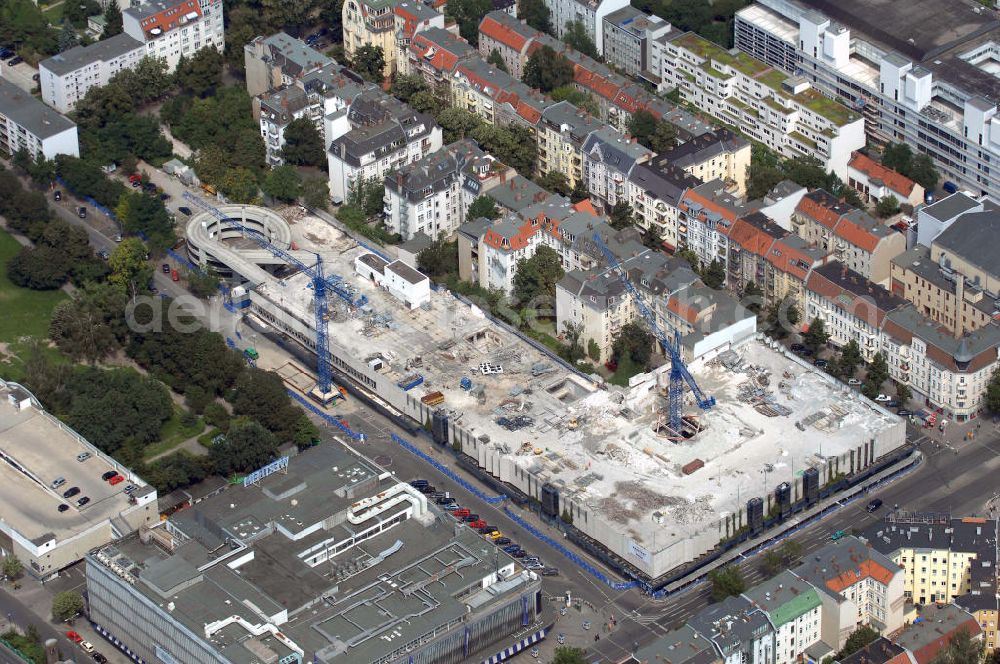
(726,581)
(283,183)
(577,37)
(304,144)
(483,206)
(548,70)
(468,14)
(369,62)
(536,14)
(537,276)
(816,337)
(438,260)
(919,168)
(246,447)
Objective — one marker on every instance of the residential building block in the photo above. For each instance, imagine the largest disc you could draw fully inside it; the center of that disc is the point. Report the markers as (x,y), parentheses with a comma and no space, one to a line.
(28,124)
(172,29)
(65,78)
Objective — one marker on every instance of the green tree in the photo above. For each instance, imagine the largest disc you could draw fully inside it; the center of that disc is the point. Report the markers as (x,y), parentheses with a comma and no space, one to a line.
(12,567)
(888,206)
(593,350)
(203,283)
(38,268)
(569,655)
(634,342)
(714,274)
(112,21)
(201,74)
(457,123)
(726,582)
(850,358)
(858,639)
(536,14)
(261,395)
(496,60)
(405,86)
(246,446)
(547,70)
(580,99)
(816,337)
(922,172)
(130,271)
(468,14)
(898,157)
(316,193)
(67,605)
(642,125)
(961,649)
(287,15)
(580,192)
(578,38)
(993,393)
(483,206)
(239,185)
(367,195)
(753,297)
(303,144)
(903,394)
(537,276)
(78,12)
(513,145)
(426,101)
(283,183)
(145,213)
(878,372)
(67,36)
(88,327)
(439,260)
(621,215)
(664,137)
(556,182)
(369,62)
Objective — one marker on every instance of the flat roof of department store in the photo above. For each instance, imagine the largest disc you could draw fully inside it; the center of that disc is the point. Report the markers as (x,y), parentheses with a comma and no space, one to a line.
(385,591)
(596,443)
(45,450)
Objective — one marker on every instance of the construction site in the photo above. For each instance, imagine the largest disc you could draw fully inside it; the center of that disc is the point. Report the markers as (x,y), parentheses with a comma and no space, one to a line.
(601,456)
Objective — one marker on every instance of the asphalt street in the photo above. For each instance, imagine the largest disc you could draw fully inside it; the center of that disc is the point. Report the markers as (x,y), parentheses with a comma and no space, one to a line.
(13,611)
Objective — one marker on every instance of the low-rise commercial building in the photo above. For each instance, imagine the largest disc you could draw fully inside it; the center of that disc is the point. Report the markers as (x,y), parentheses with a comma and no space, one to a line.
(384,134)
(246,576)
(783,112)
(172,29)
(65,78)
(28,124)
(44,461)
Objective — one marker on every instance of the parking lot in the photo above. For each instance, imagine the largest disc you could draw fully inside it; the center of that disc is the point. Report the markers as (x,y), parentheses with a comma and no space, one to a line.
(21,75)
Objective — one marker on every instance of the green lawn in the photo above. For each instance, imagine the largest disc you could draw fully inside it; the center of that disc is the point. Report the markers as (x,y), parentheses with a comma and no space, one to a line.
(25,314)
(626,369)
(173,434)
(54,14)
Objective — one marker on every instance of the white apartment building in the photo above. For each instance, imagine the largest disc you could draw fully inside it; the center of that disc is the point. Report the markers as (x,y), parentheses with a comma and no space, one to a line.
(432,196)
(946,371)
(590,13)
(608,159)
(795,611)
(857,586)
(783,112)
(26,123)
(921,74)
(383,134)
(170,29)
(65,78)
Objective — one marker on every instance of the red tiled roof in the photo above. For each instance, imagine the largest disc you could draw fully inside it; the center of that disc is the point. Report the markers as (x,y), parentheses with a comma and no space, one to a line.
(501,33)
(585,206)
(518,241)
(441,60)
(893,180)
(751,238)
(789,260)
(867,569)
(930,652)
(595,83)
(685,311)
(856,235)
(169,18)
(822,207)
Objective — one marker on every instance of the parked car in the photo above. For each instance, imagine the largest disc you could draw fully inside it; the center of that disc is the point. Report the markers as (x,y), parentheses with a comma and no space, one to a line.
(186,211)
(83,501)
(426,489)
(87,646)
(511,549)
(108,475)
(903,412)
(135,180)
(63,507)
(549,571)
(883,398)
(73,636)
(520,554)
(6,53)
(494,535)
(853,381)
(821,364)
(103,254)
(57,195)
(118,238)
(840,534)
(443,500)
(99,658)
(164,196)
(81,212)
(470,518)
(585,625)
(15,61)
(436,495)
(70,492)
(532,566)
(502,541)
(477,524)
(130,489)
(58,482)
(459,513)
(873,505)
(416,484)
(797,348)
(83,456)
(117,479)
(892,404)
(175,276)
(165,268)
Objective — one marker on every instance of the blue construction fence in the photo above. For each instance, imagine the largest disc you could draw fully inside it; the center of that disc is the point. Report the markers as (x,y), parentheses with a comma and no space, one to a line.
(580,562)
(445,470)
(97,206)
(329,419)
